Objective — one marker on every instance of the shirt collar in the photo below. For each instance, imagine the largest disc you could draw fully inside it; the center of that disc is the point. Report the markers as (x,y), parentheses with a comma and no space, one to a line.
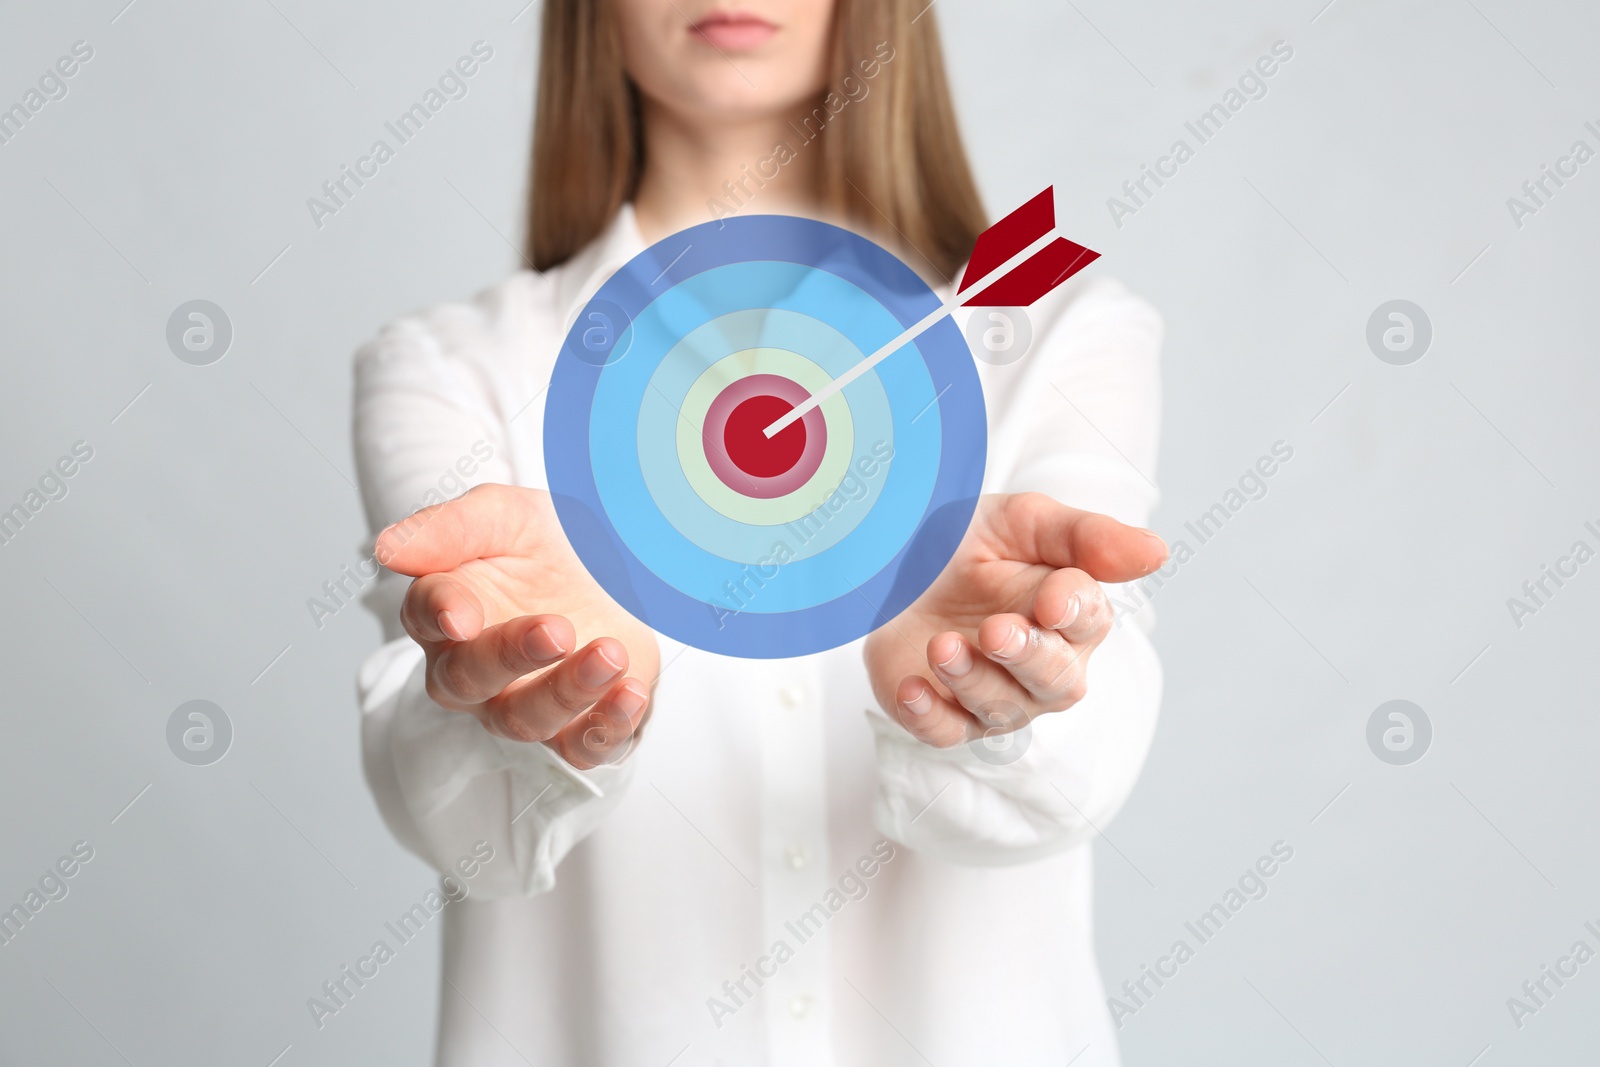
(582,275)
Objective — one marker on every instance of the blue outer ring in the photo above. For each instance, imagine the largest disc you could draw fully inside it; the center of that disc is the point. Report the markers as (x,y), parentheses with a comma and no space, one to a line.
(751,633)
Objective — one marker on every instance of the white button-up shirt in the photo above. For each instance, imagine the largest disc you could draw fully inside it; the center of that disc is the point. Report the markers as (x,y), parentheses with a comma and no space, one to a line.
(777,873)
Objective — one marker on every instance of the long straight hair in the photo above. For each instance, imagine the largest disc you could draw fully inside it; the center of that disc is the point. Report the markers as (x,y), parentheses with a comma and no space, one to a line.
(892,165)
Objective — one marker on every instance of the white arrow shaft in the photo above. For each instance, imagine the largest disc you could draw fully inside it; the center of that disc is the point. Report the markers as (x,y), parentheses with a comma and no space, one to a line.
(910,334)
(797,413)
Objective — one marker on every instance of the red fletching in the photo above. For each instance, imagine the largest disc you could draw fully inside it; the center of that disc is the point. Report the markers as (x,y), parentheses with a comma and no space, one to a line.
(1009,236)
(1007,241)
(1035,276)
(1040,273)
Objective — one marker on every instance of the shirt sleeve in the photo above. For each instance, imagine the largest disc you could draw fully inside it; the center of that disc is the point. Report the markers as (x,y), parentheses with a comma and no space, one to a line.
(1078,419)
(428,426)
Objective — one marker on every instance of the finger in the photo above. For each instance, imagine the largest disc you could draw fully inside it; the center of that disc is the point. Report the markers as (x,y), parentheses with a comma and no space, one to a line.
(1073,604)
(439,607)
(605,733)
(1040,528)
(1042,661)
(486,521)
(470,672)
(982,687)
(538,708)
(929,716)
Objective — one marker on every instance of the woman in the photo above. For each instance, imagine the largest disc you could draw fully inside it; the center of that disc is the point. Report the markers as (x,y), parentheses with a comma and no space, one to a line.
(701,860)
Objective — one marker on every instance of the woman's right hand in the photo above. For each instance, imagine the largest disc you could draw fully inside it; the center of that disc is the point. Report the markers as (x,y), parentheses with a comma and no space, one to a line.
(499,604)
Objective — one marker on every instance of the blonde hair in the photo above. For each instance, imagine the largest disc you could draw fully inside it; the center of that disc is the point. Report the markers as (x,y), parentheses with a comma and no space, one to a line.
(894,168)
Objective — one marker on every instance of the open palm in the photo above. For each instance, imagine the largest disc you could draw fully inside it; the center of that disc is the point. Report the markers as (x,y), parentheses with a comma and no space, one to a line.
(1005,633)
(500,603)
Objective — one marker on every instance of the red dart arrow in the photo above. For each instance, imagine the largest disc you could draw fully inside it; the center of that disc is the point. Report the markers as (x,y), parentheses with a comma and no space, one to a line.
(1022,256)
(1001,244)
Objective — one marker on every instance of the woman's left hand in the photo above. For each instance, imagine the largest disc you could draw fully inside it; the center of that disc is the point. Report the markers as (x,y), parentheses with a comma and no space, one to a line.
(1005,633)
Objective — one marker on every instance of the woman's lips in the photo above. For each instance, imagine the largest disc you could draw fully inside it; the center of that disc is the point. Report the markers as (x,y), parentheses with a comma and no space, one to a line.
(733,31)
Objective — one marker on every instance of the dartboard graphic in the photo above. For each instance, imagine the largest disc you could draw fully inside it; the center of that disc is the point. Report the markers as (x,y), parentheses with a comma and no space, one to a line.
(668,477)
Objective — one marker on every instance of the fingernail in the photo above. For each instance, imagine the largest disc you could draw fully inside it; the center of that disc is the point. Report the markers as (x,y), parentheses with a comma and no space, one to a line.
(631,700)
(597,669)
(920,704)
(452,629)
(541,643)
(959,663)
(1070,616)
(1016,640)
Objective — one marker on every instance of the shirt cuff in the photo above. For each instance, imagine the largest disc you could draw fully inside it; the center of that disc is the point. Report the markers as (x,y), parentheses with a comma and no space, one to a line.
(443,782)
(1032,794)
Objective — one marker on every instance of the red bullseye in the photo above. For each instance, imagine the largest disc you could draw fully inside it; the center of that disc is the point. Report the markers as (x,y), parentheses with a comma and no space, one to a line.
(748,446)
(744,458)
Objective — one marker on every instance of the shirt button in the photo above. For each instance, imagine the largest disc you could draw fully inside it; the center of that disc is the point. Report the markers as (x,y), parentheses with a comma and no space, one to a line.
(791,696)
(796,855)
(800,1006)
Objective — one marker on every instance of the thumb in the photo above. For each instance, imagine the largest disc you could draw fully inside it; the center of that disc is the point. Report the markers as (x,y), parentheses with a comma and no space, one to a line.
(1061,536)
(486,521)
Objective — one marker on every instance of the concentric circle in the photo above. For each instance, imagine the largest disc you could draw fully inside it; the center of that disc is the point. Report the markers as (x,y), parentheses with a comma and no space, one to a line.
(702,455)
(740,452)
(686,512)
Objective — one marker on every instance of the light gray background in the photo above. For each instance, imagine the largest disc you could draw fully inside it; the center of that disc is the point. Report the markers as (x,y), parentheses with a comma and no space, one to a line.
(1377,567)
